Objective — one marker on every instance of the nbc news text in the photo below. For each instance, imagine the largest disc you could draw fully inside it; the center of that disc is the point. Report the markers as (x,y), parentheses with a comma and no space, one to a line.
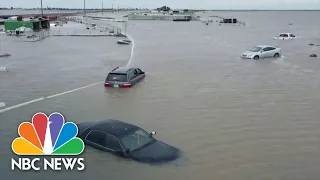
(56,164)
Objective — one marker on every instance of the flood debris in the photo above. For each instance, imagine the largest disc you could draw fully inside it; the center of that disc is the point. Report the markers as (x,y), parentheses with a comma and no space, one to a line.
(311,44)
(32,36)
(5,55)
(2,104)
(313,55)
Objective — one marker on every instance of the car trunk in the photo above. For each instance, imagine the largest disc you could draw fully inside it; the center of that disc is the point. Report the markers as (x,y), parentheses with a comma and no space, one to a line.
(117,80)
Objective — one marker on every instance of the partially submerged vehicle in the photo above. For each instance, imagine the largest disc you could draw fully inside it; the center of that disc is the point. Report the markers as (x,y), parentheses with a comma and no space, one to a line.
(124,41)
(285,36)
(32,36)
(124,77)
(127,141)
(181,19)
(262,51)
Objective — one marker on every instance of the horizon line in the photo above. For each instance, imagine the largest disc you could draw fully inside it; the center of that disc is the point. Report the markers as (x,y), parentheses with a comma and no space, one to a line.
(65,8)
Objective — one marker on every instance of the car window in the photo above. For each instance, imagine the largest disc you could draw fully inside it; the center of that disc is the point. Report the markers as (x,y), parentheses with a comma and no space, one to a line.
(97,137)
(291,35)
(268,48)
(255,49)
(285,35)
(281,35)
(134,74)
(139,71)
(117,77)
(113,143)
(136,140)
(130,75)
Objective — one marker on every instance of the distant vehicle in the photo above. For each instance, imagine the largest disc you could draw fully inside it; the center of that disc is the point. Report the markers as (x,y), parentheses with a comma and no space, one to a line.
(127,141)
(124,77)
(262,51)
(124,41)
(181,19)
(285,36)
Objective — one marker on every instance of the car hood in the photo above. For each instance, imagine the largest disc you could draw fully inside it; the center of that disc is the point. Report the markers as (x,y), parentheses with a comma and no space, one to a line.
(82,127)
(249,53)
(156,152)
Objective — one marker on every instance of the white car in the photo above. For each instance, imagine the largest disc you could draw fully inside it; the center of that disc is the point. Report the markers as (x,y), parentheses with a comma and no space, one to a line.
(262,51)
(285,36)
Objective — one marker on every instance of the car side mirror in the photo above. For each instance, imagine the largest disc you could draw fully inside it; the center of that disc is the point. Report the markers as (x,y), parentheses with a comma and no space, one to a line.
(153,133)
(127,150)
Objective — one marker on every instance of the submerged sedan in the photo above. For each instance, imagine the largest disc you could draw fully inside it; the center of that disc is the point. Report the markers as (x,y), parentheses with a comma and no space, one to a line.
(126,140)
(262,51)
(285,36)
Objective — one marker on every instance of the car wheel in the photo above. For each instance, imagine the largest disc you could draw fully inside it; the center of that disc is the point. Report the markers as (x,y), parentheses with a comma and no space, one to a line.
(276,55)
(256,57)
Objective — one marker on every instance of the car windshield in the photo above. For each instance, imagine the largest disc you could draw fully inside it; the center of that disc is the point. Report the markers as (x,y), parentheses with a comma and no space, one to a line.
(255,49)
(136,140)
(117,77)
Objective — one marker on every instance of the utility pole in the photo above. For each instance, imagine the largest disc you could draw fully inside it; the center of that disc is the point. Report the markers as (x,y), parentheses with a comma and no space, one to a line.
(41,10)
(125,28)
(84,12)
(84,8)
(102,8)
(118,8)
(112,8)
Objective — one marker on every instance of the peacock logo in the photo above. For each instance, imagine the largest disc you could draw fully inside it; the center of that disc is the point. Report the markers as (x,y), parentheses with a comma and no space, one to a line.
(47,136)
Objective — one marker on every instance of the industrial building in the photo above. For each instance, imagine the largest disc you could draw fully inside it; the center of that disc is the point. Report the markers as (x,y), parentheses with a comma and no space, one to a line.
(34,24)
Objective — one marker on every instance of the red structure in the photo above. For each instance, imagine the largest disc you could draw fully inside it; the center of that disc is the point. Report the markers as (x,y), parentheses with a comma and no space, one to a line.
(51,18)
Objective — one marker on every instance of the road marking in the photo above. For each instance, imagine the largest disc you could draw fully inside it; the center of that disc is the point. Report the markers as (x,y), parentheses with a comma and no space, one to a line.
(20,105)
(66,92)
(132,48)
(43,98)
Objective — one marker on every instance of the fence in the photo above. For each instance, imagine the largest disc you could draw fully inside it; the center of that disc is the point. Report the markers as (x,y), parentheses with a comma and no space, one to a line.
(88,32)
(166,17)
(106,28)
(35,36)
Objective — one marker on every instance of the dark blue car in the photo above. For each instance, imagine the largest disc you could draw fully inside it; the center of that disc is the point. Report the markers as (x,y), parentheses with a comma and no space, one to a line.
(124,77)
(126,140)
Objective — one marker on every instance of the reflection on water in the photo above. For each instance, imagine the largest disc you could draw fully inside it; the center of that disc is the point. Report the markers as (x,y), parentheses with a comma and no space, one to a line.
(232,118)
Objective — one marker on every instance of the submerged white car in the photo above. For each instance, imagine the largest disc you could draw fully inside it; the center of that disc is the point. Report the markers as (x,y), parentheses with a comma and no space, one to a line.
(262,51)
(285,36)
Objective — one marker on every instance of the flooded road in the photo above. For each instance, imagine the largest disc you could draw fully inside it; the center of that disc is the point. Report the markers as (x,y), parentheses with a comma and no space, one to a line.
(232,118)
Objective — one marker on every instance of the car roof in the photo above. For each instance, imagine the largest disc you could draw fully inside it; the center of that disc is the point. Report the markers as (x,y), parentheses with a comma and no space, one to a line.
(121,70)
(114,127)
(263,46)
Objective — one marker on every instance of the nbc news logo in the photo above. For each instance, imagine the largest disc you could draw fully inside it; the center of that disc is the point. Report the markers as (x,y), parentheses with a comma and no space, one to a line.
(47,136)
